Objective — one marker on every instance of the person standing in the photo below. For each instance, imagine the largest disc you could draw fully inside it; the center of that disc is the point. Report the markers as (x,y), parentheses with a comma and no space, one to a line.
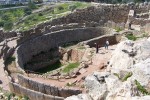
(106,44)
(96,47)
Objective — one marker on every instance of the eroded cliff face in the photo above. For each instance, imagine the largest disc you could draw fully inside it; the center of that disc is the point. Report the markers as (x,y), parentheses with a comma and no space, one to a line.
(127,75)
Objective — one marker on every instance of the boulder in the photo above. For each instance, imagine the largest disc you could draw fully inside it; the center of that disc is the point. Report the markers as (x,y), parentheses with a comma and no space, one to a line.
(96,85)
(141,72)
(126,90)
(113,83)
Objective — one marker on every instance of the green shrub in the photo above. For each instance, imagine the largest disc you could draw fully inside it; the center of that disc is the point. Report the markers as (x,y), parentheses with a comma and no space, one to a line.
(8,25)
(60,8)
(127,76)
(131,37)
(40,14)
(31,5)
(141,88)
(1,23)
(9,95)
(145,35)
(70,84)
(118,29)
(27,11)
(117,75)
(72,7)
(26,98)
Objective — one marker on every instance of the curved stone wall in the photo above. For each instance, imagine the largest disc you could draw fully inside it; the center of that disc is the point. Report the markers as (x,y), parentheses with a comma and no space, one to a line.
(33,95)
(47,89)
(47,41)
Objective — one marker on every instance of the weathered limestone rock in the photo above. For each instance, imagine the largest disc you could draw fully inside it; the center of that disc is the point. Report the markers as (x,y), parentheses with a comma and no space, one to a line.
(127,89)
(96,86)
(141,72)
(112,83)
(79,97)
(65,57)
(129,53)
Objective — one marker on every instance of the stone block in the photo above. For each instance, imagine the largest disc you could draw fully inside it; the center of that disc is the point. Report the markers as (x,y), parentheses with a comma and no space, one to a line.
(49,97)
(54,90)
(59,98)
(47,89)
(41,87)
(23,81)
(11,87)
(39,96)
(16,89)
(33,85)
(82,71)
(31,94)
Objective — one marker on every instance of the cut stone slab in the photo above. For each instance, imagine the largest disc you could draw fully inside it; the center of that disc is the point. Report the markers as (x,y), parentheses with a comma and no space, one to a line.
(82,71)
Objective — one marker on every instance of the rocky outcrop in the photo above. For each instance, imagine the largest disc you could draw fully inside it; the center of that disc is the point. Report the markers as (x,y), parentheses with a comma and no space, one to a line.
(129,53)
(128,78)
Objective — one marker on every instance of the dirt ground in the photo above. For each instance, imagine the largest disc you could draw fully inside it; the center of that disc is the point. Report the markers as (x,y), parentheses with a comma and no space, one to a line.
(98,61)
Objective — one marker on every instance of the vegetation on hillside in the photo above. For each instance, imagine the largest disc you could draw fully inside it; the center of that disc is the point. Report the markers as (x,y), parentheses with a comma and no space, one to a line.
(47,15)
(24,18)
(115,1)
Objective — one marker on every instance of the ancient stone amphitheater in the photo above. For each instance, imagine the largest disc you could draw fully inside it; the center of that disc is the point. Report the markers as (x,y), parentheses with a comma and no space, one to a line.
(86,26)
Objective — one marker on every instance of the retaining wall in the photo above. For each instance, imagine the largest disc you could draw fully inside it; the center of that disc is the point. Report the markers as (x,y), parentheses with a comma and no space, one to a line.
(46,89)
(33,95)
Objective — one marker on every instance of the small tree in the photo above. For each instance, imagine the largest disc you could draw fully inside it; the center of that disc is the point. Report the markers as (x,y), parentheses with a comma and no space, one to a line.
(72,7)
(31,5)
(28,11)
(8,25)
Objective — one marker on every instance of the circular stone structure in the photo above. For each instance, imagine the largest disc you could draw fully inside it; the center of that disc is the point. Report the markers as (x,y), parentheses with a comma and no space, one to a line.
(26,51)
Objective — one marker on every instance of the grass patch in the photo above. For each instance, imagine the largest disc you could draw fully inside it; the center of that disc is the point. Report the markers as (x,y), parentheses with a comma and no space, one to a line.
(129,74)
(117,75)
(141,88)
(50,68)
(118,29)
(70,67)
(70,84)
(131,37)
(81,47)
